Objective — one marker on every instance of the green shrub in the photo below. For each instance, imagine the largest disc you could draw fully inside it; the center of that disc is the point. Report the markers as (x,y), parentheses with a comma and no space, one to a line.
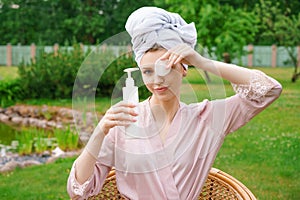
(10,92)
(57,75)
(53,75)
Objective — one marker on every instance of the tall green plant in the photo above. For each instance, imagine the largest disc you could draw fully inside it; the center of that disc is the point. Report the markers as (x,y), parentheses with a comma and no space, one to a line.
(42,143)
(67,139)
(25,139)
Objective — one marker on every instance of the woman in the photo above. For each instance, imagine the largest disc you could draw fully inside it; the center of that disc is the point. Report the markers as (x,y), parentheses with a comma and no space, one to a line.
(174,144)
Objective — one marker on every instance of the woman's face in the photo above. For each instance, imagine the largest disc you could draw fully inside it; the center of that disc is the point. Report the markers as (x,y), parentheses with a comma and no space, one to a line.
(163,88)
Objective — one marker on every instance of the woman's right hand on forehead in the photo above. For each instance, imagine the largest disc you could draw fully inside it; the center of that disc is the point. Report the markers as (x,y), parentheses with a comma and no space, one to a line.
(182,53)
(120,114)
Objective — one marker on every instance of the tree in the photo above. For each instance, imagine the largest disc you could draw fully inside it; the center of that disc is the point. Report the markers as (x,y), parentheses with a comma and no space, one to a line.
(281,29)
(221,29)
(287,35)
(63,21)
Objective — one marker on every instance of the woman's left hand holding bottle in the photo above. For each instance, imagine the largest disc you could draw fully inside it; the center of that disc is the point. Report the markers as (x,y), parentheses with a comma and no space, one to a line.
(120,114)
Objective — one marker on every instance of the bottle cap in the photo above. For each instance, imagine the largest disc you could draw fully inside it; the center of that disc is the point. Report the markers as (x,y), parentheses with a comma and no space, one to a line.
(160,67)
(129,80)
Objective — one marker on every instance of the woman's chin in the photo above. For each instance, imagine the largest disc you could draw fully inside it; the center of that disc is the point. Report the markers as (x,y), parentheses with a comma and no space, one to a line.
(165,97)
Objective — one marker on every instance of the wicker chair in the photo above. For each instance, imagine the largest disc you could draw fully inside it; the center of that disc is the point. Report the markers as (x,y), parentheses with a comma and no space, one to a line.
(218,186)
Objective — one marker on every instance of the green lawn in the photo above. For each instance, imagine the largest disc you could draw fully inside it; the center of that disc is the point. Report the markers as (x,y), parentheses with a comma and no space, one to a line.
(264,154)
(37,182)
(8,73)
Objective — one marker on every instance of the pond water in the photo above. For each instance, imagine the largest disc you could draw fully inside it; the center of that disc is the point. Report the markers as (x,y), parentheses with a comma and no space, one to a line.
(7,134)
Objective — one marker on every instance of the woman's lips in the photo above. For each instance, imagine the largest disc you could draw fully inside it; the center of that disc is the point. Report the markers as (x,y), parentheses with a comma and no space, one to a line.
(160,89)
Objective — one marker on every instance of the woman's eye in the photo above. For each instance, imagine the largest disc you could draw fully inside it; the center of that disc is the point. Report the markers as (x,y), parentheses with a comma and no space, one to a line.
(147,72)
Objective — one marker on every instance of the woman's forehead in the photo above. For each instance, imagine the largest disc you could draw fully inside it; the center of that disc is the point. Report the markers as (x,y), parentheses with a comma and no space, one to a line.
(147,65)
(152,56)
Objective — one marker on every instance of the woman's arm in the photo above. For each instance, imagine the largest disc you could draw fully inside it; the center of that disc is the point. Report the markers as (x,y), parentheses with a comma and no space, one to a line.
(187,55)
(85,163)
(121,114)
(255,90)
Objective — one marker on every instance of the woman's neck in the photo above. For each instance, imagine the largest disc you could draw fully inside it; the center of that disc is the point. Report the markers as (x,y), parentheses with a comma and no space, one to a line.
(163,110)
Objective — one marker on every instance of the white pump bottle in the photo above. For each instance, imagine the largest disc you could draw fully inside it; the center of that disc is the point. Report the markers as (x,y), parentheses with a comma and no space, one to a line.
(130,91)
(130,94)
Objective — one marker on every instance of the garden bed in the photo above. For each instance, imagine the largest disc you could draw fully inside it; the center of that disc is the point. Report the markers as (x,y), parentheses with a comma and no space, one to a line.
(63,122)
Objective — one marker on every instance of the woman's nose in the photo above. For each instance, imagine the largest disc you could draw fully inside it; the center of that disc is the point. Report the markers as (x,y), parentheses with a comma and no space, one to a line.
(158,79)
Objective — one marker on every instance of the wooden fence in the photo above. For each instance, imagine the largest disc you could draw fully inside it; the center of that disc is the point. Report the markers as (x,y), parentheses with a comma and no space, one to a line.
(266,56)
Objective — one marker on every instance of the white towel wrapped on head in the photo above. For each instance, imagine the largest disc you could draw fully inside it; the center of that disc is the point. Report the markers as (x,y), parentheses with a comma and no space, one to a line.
(151,25)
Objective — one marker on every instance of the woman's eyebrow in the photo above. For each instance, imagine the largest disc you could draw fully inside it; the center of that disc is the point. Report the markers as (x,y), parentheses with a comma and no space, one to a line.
(149,66)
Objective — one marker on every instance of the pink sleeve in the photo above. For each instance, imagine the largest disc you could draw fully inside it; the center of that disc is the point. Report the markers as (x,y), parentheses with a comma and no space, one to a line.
(94,184)
(249,101)
(91,187)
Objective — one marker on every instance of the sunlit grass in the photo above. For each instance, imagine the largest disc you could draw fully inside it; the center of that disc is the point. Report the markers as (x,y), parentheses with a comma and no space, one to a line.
(38,182)
(8,73)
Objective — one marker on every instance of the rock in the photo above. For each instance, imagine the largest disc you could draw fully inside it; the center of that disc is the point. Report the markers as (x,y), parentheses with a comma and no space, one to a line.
(10,166)
(65,113)
(90,119)
(72,153)
(33,121)
(36,113)
(46,154)
(84,137)
(27,163)
(4,118)
(25,121)
(2,150)
(42,123)
(45,109)
(14,144)
(8,112)
(57,152)
(60,126)
(51,124)
(51,159)
(23,111)
(17,120)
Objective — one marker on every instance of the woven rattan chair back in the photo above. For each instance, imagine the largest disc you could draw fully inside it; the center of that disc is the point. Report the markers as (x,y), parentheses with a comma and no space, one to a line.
(218,186)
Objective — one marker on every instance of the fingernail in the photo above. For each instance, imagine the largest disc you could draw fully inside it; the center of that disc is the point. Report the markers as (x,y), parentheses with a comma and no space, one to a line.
(134,119)
(134,114)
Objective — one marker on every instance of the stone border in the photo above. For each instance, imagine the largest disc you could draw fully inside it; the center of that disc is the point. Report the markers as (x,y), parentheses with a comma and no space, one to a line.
(15,161)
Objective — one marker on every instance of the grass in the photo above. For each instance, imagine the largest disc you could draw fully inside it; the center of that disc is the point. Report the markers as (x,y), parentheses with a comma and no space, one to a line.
(37,182)
(100,104)
(264,154)
(8,73)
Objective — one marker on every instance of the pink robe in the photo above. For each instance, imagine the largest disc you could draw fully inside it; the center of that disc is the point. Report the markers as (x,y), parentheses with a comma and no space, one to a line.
(147,168)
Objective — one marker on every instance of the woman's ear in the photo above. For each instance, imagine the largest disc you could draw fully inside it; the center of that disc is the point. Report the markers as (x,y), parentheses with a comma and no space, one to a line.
(184,72)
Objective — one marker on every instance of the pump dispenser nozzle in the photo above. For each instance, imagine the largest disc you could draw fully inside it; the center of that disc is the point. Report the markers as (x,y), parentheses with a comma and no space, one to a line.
(129,80)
